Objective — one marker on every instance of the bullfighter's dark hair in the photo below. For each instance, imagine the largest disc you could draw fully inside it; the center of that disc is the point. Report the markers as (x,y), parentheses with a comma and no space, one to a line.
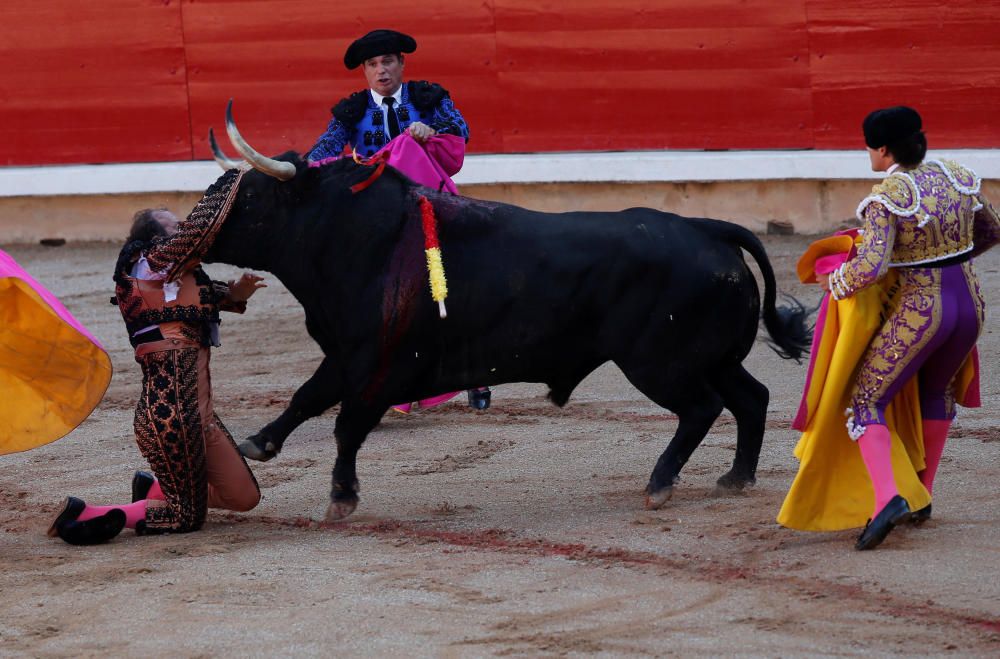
(899,130)
(145,229)
(910,151)
(145,226)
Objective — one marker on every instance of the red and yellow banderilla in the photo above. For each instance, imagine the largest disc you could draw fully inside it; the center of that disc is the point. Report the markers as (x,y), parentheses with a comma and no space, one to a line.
(435,267)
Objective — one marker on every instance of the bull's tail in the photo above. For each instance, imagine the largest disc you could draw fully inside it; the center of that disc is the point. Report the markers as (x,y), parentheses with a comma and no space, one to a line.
(791,336)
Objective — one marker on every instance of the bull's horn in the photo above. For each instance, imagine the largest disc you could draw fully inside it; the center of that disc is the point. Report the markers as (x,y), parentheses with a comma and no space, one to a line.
(220,157)
(276,168)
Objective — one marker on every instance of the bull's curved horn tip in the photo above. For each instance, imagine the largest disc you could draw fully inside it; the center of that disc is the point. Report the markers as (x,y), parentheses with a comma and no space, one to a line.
(278,169)
(221,158)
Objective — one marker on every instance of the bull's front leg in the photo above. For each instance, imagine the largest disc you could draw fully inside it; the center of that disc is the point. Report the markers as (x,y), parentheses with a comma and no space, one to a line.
(318,394)
(354,423)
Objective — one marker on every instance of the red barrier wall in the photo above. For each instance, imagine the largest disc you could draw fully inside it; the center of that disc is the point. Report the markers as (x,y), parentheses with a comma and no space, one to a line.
(142,80)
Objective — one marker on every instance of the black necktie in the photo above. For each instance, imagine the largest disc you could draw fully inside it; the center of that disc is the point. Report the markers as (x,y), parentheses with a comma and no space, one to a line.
(391,116)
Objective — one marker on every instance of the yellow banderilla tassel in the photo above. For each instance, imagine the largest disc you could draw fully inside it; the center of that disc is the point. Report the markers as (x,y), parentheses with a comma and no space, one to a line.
(439,285)
(435,266)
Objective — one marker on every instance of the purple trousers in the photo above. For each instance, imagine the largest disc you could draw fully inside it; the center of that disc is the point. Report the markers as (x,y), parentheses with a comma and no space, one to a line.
(932,321)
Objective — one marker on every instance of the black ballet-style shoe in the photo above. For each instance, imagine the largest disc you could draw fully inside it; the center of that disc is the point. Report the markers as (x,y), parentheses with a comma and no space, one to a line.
(91,532)
(920,516)
(72,509)
(94,531)
(479,399)
(897,511)
(142,482)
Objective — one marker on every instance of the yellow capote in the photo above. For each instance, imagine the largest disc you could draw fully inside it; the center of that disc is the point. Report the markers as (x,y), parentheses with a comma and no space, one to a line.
(51,376)
(832,490)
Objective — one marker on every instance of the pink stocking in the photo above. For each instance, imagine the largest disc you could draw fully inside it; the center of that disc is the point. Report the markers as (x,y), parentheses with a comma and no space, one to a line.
(406,408)
(134,512)
(155,492)
(935,434)
(437,400)
(876,451)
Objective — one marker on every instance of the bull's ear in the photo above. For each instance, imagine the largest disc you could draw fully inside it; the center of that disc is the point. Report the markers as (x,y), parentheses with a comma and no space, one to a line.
(295,158)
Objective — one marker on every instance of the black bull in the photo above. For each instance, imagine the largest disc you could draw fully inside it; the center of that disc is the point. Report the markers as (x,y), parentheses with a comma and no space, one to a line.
(533,297)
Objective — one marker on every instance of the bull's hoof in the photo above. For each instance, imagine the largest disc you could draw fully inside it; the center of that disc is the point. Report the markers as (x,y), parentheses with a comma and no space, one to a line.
(338,510)
(731,482)
(258,448)
(654,500)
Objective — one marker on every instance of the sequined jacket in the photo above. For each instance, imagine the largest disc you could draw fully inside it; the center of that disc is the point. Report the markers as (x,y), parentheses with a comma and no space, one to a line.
(929,216)
(191,317)
(358,122)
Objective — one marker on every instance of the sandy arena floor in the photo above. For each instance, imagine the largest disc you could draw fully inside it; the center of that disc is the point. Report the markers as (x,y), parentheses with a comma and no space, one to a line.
(515,531)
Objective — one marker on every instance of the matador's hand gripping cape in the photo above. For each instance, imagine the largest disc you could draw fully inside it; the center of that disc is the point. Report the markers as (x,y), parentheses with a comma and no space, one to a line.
(53,372)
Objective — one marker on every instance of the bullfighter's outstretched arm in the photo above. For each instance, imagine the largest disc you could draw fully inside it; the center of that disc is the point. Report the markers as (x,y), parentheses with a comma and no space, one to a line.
(184,250)
(331,143)
(167,254)
(872,260)
(226,301)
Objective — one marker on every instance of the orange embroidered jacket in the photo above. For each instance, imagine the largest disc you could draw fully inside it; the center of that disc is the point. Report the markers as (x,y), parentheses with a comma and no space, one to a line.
(193,316)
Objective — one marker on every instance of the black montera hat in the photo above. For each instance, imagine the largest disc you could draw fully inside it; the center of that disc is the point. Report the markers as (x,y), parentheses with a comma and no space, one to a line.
(375,43)
(890,125)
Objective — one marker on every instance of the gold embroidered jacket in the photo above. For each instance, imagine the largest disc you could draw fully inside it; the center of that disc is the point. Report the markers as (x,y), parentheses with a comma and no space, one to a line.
(917,217)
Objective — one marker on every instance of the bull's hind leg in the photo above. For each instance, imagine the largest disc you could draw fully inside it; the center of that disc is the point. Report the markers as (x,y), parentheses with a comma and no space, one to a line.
(354,423)
(318,394)
(697,407)
(747,399)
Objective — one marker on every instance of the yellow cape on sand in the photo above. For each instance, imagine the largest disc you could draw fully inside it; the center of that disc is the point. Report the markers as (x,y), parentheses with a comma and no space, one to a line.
(832,490)
(52,374)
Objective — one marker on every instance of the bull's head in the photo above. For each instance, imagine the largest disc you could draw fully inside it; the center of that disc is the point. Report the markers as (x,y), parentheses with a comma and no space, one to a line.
(288,216)
(282,171)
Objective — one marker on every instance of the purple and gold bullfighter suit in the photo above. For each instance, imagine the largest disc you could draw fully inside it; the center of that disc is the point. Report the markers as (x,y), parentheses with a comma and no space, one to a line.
(359,122)
(927,223)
